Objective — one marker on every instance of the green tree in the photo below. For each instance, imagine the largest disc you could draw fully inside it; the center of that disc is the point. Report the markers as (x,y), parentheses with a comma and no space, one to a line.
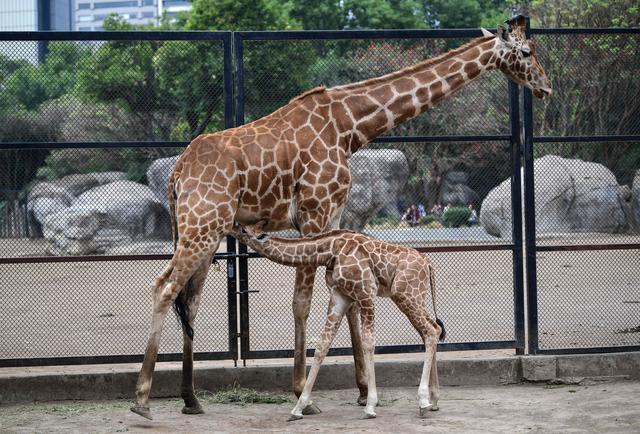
(239,15)
(362,14)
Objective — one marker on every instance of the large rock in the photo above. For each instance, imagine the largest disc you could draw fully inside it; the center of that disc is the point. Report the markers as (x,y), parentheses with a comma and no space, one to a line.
(158,177)
(455,190)
(377,176)
(570,196)
(635,199)
(106,216)
(50,197)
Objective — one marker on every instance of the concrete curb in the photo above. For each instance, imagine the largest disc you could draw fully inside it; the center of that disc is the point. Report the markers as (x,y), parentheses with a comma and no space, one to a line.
(118,382)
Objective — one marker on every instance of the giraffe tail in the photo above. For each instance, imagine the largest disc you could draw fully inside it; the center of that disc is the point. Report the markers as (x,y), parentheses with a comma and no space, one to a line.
(432,283)
(182,311)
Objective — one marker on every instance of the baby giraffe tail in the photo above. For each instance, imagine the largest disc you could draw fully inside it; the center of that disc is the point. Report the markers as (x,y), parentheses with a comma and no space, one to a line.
(432,282)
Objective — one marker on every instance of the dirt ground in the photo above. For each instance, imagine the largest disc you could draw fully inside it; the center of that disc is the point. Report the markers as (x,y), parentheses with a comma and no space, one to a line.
(594,407)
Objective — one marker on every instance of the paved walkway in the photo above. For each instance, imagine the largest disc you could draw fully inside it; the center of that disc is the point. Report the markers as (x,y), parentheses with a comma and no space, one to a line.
(594,407)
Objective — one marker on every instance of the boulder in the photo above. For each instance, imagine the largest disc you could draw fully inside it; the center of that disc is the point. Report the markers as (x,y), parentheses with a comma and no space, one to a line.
(158,177)
(455,190)
(106,216)
(50,197)
(570,196)
(635,199)
(377,178)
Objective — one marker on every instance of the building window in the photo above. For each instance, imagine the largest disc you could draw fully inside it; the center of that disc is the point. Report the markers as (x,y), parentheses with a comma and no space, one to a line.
(148,14)
(85,18)
(147,2)
(118,4)
(84,5)
(84,29)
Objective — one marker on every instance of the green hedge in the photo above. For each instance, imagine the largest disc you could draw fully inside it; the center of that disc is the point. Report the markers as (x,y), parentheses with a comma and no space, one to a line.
(456,217)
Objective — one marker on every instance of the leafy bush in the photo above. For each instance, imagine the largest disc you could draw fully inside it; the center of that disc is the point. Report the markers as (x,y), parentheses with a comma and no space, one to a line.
(429,218)
(456,217)
(392,221)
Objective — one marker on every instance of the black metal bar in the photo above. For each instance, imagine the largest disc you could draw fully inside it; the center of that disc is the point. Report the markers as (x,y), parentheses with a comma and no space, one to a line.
(469,248)
(590,31)
(358,34)
(90,145)
(615,138)
(516,218)
(81,360)
(239,76)
(530,223)
(228,80)
(243,287)
(590,350)
(133,35)
(96,258)
(389,349)
(432,139)
(586,247)
(232,299)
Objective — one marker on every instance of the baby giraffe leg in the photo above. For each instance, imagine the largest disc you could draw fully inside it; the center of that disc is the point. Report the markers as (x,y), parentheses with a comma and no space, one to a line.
(430,343)
(434,384)
(368,342)
(338,305)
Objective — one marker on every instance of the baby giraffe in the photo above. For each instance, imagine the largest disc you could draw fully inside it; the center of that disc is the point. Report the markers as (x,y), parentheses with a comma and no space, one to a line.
(359,269)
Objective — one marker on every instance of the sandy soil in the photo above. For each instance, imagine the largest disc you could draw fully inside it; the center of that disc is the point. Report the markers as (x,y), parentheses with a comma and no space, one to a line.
(594,408)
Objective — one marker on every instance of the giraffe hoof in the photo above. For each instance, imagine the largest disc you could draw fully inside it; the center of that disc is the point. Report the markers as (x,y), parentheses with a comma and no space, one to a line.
(362,400)
(311,409)
(195,409)
(369,415)
(424,410)
(293,417)
(142,411)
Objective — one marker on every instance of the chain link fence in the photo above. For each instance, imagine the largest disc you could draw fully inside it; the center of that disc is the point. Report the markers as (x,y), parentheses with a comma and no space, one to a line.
(90,129)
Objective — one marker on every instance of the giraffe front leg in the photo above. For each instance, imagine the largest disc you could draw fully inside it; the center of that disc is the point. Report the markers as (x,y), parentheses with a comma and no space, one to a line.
(305,277)
(368,338)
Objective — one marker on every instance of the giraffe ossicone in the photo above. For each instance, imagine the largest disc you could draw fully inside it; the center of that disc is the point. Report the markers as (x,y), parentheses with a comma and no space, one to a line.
(290,169)
(359,269)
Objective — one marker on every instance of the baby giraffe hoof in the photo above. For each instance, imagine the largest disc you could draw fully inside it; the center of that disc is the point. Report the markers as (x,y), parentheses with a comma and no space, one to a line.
(369,415)
(424,410)
(293,417)
(142,411)
(194,409)
(311,409)
(362,400)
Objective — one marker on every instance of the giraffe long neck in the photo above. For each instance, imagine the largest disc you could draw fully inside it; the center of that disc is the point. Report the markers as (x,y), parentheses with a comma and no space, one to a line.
(291,251)
(373,107)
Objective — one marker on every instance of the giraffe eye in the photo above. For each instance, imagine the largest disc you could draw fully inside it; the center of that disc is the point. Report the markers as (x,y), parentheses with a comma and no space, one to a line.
(526,53)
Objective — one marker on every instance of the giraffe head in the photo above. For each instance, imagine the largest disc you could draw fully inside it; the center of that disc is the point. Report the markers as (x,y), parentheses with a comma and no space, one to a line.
(516,57)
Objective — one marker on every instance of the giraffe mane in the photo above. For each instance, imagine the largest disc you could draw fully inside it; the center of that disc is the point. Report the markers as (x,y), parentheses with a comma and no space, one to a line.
(317,89)
(425,63)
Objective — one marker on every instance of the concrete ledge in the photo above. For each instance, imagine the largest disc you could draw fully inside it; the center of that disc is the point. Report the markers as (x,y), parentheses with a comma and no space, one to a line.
(119,382)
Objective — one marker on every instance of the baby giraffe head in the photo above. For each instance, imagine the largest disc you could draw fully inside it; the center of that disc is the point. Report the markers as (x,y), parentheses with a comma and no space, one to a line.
(516,57)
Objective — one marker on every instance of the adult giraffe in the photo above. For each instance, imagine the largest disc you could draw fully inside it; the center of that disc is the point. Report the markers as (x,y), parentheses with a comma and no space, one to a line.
(290,169)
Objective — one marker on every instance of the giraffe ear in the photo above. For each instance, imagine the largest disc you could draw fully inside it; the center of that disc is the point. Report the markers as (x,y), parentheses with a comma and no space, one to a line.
(502,33)
(485,32)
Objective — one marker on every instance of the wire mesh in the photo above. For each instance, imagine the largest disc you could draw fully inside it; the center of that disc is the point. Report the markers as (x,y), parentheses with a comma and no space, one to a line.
(595,85)
(585,192)
(276,71)
(97,309)
(588,299)
(474,301)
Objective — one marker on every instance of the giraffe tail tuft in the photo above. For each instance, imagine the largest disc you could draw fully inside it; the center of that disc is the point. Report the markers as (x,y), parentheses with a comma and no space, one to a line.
(443,333)
(182,311)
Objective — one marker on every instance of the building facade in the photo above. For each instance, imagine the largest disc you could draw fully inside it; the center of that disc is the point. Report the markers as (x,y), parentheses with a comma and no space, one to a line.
(90,14)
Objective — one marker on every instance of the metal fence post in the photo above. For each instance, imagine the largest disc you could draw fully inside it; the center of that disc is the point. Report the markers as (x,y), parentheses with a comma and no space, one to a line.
(516,217)
(530,219)
(243,263)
